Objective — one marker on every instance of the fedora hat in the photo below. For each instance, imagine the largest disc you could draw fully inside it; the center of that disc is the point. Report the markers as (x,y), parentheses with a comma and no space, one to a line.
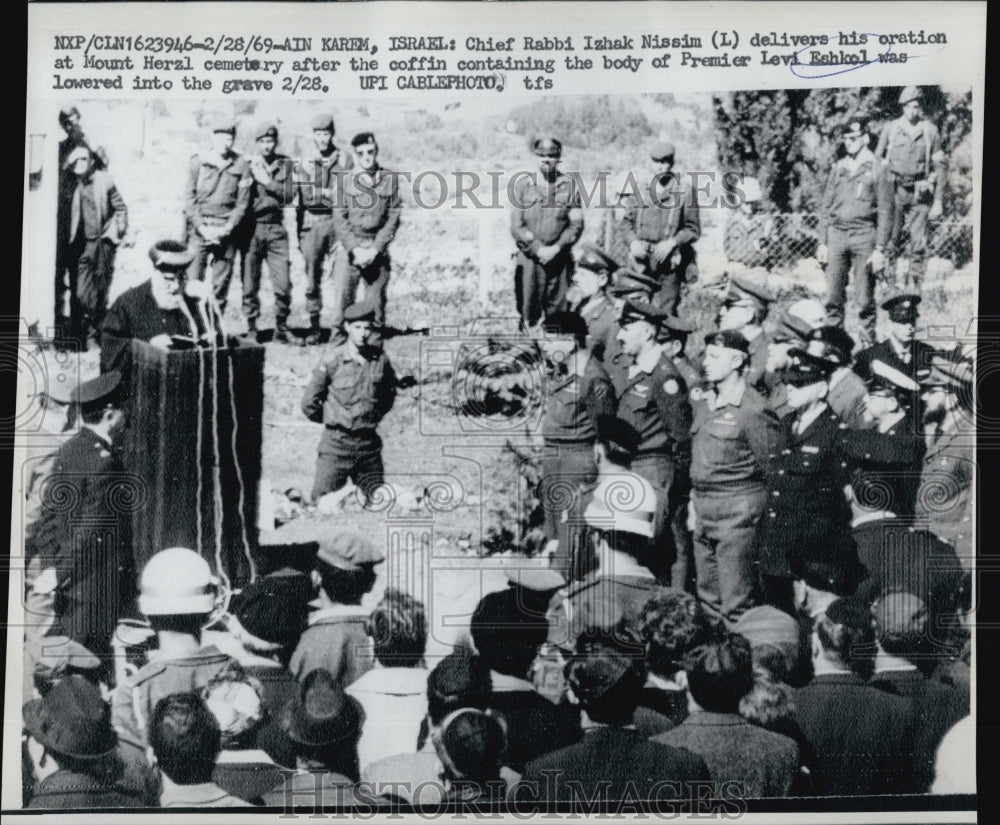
(72,720)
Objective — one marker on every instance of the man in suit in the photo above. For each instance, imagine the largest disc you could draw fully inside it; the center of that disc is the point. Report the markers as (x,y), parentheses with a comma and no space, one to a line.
(612,761)
(806,479)
(862,737)
(945,496)
(904,637)
(754,761)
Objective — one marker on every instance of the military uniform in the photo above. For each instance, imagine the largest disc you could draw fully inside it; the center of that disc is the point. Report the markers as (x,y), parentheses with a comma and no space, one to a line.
(134,700)
(806,505)
(218,193)
(756,374)
(909,151)
(269,238)
(855,219)
(319,181)
(84,536)
(572,404)
(732,441)
(944,497)
(350,393)
(369,219)
(602,325)
(909,360)
(845,390)
(893,461)
(673,215)
(544,214)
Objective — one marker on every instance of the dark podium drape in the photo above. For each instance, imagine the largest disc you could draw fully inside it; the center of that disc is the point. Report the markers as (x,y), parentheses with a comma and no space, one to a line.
(194,438)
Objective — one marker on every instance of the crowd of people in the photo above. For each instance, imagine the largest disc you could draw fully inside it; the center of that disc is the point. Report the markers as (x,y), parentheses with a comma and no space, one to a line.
(757,571)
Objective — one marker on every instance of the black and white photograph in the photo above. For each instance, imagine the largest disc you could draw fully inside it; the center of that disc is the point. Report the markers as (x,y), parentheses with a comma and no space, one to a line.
(463,445)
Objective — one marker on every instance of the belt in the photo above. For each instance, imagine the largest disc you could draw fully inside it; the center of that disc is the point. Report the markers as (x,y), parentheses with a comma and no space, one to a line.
(358,433)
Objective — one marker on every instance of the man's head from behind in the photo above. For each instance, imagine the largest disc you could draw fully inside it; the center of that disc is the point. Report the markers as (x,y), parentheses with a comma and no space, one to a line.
(606,674)
(671,623)
(505,634)
(398,627)
(185,738)
(720,672)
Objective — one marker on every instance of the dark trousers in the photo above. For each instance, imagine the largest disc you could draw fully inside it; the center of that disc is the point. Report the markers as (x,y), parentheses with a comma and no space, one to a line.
(316,241)
(909,231)
(373,281)
(269,243)
(344,455)
(660,471)
(725,549)
(540,289)
(565,468)
(848,251)
(216,257)
(91,264)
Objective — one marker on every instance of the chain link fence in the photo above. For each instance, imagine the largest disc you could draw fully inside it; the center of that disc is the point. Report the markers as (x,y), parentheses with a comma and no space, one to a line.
(781,242)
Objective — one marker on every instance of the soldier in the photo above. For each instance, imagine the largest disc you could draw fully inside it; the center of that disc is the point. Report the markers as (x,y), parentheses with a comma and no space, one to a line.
(805,480)
(350,393)
(319,179)
(366,224)
(655,402)
(890,451)
(177,595)
(661,234)
(845,390)
(744,308)
(577,391)
(855,220)
(673,337)
(627,284)
(945,496)
(546,220)
(909,146)
(98,220)
(733,438)
(900,349)
(270,197)
(590,299)
(791,332)
(82,540)
(218,191)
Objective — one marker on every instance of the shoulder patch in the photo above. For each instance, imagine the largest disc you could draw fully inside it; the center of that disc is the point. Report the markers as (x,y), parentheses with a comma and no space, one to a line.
(670,386)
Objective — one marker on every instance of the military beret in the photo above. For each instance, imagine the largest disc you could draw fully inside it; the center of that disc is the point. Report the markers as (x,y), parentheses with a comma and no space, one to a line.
(854,128)
(676,327)
(884,378)
(224,124)
(362,139)
(806,369)
(542,580)
(98,391)
(791,328)
(909,93)
(79,153)
(637,309)
(566,323)
(902,308)
(361,311)
(728,339)
(595,259)
(547,147)
(322,123)
(616,431)
(662,150)
(899,614)
(170,255)
(955,375)
(349,551)
(743,289)
(629,282)
(266,130)
(831,342)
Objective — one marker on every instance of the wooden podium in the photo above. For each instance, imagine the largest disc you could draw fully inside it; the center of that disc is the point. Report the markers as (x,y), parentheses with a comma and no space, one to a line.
(194,440)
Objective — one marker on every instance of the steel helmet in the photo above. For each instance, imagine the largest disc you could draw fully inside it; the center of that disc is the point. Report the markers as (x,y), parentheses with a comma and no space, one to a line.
(177,581)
